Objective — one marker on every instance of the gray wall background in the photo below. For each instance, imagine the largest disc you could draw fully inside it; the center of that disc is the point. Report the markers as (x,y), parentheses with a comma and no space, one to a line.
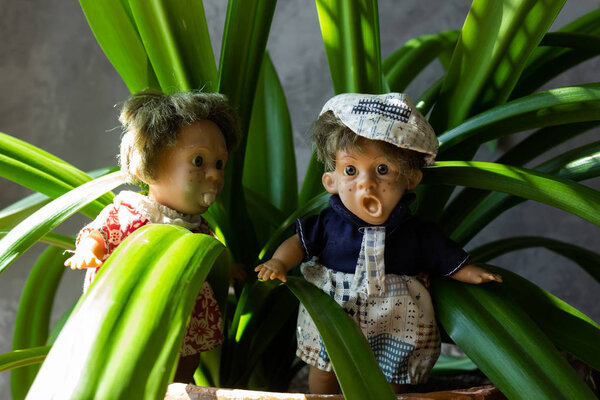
(62,94)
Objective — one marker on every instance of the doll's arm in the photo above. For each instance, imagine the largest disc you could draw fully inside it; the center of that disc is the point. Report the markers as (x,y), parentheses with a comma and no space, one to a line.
(287,256)
(89,252)
(473,274)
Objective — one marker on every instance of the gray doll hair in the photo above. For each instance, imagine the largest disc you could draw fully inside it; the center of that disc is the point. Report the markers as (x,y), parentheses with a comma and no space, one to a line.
(153,120)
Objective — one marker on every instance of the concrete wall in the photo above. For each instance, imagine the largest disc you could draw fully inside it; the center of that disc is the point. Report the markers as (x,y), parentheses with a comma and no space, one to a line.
(60,94)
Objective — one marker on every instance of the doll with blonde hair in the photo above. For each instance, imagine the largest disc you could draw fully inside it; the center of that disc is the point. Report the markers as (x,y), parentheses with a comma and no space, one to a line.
(366,250)
(177,144)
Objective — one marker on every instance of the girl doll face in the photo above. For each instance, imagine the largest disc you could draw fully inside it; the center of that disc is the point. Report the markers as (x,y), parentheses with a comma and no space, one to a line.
(190,174)
(368,184)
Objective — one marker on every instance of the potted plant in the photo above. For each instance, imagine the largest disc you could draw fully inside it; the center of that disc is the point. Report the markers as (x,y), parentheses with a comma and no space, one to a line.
(494,64)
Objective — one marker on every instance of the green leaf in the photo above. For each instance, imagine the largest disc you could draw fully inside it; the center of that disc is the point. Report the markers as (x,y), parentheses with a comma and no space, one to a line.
(18,211)
(495,43)
(271,141)
(114,29)
(263,310)
(244,42)
(313,206)
(23,358)
(32,324)
(41,171)
(175,36)
(553,107)
(447,364)
(491,327)
(154,276)
(24,235)
(55,239)
(312,185)
(547,62)
(567,327)
(533,146)
(350,31)
(587,259)
(544,188)
(427,99)
(495,203)
(404,64)
(353,361)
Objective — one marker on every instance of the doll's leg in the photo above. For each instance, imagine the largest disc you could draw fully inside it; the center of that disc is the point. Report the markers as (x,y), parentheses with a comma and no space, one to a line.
(399,388)
(322,382)
(186,367)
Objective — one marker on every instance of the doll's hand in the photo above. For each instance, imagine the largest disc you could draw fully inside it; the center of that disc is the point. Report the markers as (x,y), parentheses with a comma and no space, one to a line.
(88,254)
(475,275)
(272,269)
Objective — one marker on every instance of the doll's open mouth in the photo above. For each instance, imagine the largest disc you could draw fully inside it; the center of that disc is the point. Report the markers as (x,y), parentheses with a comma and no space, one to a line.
(208,198)
(372,206)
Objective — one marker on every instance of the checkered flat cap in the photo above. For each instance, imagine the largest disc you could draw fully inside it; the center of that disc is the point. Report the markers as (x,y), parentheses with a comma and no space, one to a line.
(389,117)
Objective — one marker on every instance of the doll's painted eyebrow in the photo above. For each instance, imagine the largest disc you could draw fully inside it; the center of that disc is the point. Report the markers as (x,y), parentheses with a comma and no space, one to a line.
(194,149)
(346,155)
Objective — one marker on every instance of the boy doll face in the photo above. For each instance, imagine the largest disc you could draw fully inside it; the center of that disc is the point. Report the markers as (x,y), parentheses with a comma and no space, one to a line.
(369,185)
(191,174)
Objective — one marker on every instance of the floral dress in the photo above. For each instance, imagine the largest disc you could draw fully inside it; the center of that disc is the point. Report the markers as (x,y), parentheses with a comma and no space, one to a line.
(374,273)
(129,212)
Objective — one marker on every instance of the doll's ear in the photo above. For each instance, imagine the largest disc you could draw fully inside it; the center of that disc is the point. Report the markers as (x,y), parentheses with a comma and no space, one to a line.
(415,179)
(329,182)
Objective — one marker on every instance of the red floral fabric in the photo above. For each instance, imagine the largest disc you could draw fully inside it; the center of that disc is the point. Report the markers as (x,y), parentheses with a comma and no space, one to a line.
(116,222)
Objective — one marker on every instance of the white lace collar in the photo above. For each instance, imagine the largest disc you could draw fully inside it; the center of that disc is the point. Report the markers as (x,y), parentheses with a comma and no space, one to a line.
(157,213)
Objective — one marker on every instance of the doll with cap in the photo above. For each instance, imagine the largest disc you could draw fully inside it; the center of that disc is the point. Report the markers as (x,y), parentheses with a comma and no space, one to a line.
(178,145)
(366,249)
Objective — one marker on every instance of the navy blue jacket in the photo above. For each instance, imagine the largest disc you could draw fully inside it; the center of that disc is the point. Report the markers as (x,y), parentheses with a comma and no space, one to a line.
(411,246)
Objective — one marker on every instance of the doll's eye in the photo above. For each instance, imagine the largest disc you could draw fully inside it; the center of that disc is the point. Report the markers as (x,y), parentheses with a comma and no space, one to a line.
(350,170)
(197,161)
(219,164)
(383,169)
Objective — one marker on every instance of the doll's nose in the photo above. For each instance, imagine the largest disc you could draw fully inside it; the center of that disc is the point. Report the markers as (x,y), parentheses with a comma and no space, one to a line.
(366,182)
(213,174)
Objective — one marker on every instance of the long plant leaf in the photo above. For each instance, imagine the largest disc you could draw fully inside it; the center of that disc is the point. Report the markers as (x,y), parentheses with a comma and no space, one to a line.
(496,203)
(353,361)
(312,185)
(244,42)
(270,140)
(587,259)
(18,211)
(23,358)
(427,99)
(41,171)
(504,342)
(154,276)
(55,239)
(350,31)
(567,327)
(547,62)
(176,39)
(553,107)
(544,188)
(404,64)
(536,144)
(447,364)
(313,206)
(29,231)
(32,324)
(495,43)
(113,26)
